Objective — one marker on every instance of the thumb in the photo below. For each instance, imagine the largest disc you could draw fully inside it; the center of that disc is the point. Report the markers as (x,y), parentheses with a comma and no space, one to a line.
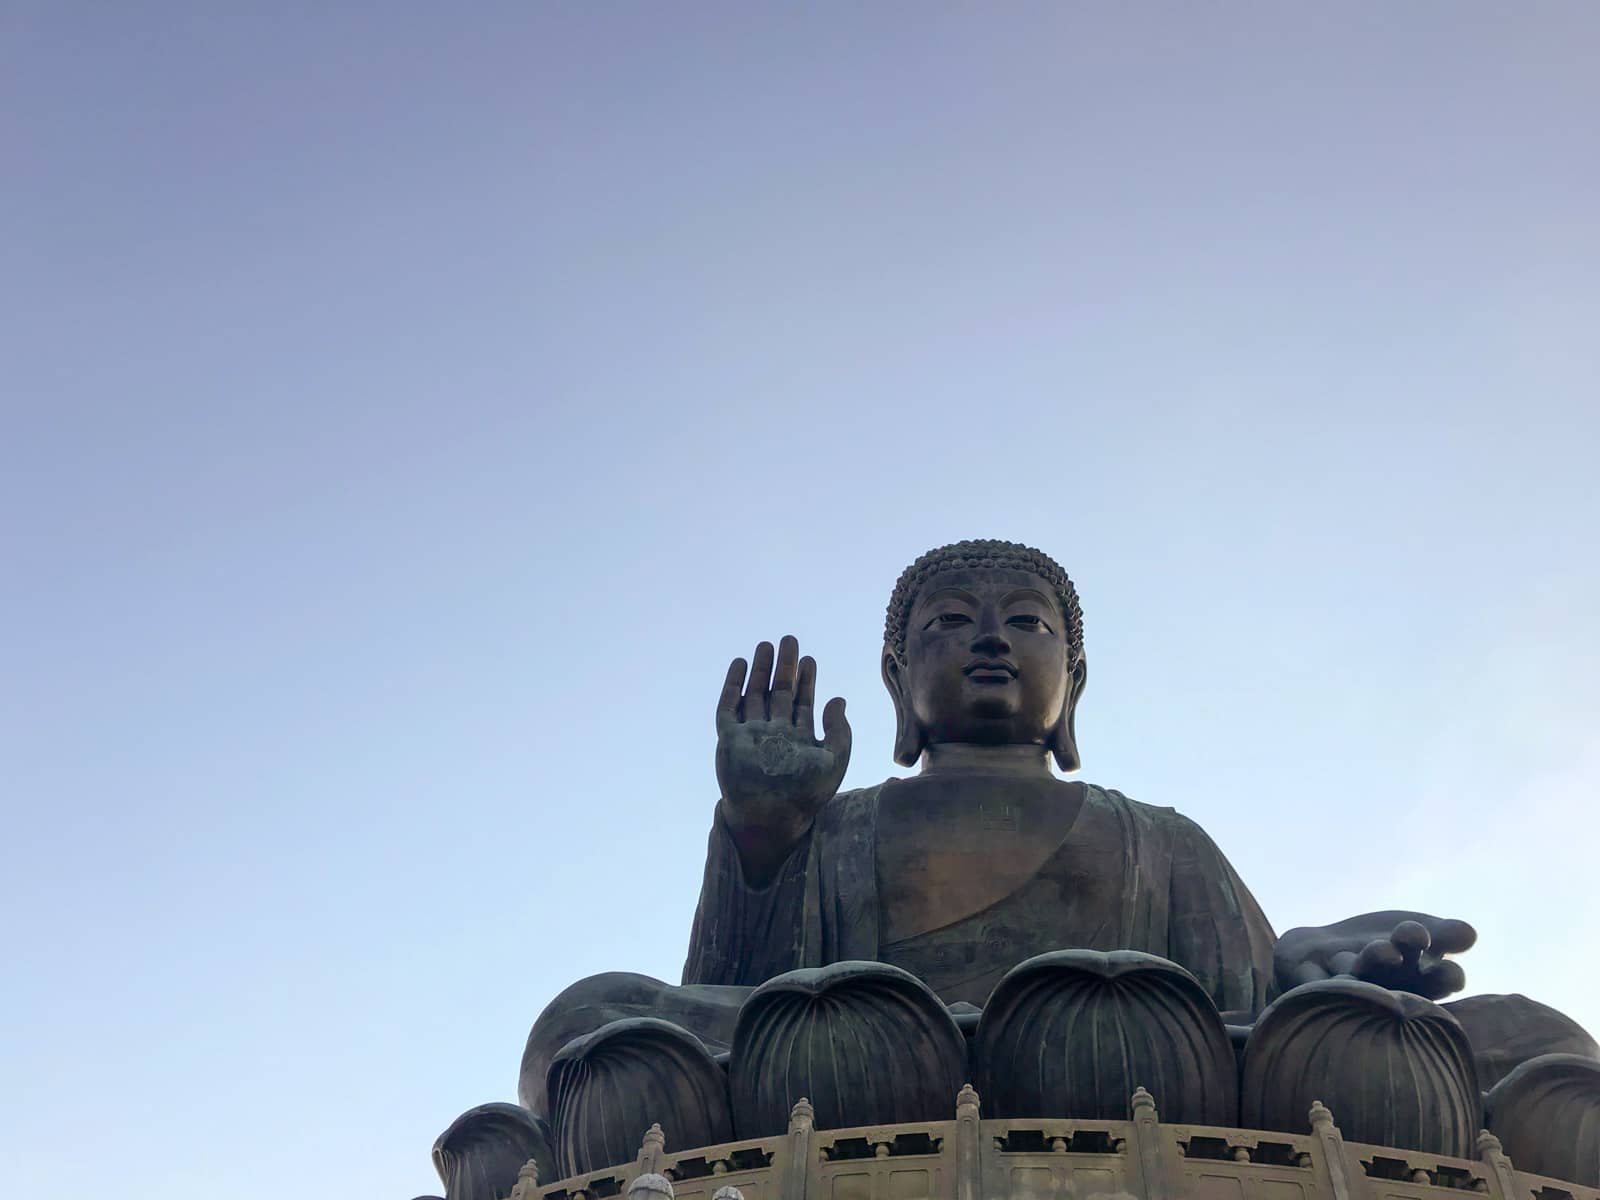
(835,729)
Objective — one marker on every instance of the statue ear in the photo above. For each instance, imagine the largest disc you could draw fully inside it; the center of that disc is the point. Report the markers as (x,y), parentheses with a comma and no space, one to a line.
(908,738)
(1063,740)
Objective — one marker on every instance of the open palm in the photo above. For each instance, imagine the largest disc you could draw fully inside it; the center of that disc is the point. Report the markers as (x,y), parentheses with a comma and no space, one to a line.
(774,772)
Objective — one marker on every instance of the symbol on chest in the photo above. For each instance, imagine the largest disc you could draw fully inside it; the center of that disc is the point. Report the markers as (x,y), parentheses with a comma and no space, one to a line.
(1001,818)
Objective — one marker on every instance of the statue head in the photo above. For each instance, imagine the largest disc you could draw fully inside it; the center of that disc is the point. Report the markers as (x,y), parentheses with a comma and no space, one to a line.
(983,644)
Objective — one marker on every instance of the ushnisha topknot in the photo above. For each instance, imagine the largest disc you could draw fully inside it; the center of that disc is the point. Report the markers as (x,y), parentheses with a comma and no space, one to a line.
(980,552)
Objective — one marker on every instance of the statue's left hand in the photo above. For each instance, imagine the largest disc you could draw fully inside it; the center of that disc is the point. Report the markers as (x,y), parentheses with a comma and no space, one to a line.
(1402,951)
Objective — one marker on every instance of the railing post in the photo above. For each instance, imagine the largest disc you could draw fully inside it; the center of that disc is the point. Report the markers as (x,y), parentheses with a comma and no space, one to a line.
(969,1145)
(1502,1175)
(527,1184)
(651,1150)
(801,1123)
(1147,1145)
(1335,1158)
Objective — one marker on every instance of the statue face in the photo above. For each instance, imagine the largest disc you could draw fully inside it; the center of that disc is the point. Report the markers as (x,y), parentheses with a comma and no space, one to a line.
(986,658)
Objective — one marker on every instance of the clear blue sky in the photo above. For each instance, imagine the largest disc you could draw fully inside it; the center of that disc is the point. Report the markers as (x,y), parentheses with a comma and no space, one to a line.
(410,409)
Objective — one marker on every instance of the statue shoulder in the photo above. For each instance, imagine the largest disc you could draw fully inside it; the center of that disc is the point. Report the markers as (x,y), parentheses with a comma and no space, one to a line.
(1156,814)
(856,798)
(857,795)
(853,808)
(1168,820)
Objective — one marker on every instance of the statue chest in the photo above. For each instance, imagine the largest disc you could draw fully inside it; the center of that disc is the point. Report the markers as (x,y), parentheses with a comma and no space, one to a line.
(948,848)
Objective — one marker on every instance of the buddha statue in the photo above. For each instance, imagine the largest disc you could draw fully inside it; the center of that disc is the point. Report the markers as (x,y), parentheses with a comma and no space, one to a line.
(984,859)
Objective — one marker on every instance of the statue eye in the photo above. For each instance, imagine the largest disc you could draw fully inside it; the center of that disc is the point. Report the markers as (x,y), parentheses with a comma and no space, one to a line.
(945,620)
(1029,621)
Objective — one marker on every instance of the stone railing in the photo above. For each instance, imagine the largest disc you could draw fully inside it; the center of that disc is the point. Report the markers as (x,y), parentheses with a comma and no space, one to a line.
(968,1158)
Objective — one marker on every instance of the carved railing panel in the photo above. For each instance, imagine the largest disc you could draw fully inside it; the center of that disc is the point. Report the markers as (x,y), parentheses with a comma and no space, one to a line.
(1054,1160)
(1036,1159)
(900,1162)
(748,1166)
(1218,1163)
(1542,1187)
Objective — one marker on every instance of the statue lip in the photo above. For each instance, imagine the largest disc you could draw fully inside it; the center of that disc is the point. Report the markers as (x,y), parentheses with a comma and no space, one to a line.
(990,666)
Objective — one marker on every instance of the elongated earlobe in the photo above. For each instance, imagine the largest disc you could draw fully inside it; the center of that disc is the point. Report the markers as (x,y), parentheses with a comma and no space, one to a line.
(1064,744)
(908,739)
(1063,735)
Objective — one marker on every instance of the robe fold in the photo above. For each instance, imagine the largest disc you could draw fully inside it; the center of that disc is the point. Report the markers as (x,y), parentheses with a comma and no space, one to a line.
(1126,876)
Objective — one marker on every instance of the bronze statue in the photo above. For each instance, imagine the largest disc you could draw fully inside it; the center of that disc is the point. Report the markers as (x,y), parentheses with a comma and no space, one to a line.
(984,860)
(985,857)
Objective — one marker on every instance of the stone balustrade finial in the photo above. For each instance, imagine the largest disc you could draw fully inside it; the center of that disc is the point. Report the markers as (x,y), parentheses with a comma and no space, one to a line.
(527,1185)
(652,1149)
(967,1104)
(1144,1106)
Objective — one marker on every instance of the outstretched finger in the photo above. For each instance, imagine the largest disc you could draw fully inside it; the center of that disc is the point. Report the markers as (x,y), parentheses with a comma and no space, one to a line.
(1452,937)
(781,707)
(835,729)
(1443,978)
(728,702)
(805,696)
(755,689)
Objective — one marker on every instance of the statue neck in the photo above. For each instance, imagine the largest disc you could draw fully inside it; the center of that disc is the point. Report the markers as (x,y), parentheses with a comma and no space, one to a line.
(952,757)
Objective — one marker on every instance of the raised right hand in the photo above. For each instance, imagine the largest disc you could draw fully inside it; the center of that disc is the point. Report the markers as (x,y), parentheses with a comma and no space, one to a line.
(774,772)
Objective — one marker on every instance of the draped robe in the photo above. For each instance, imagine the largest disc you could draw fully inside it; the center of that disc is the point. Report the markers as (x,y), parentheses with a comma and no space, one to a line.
(1121,876)
(1125,876)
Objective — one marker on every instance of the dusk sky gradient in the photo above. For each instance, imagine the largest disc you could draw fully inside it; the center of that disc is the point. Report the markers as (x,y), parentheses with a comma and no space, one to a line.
(410,409)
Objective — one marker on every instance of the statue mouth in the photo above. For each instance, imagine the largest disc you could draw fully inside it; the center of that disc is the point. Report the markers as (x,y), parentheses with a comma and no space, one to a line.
(990,670)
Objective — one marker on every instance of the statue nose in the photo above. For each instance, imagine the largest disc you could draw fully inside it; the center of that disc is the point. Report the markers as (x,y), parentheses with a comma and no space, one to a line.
(990,641)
